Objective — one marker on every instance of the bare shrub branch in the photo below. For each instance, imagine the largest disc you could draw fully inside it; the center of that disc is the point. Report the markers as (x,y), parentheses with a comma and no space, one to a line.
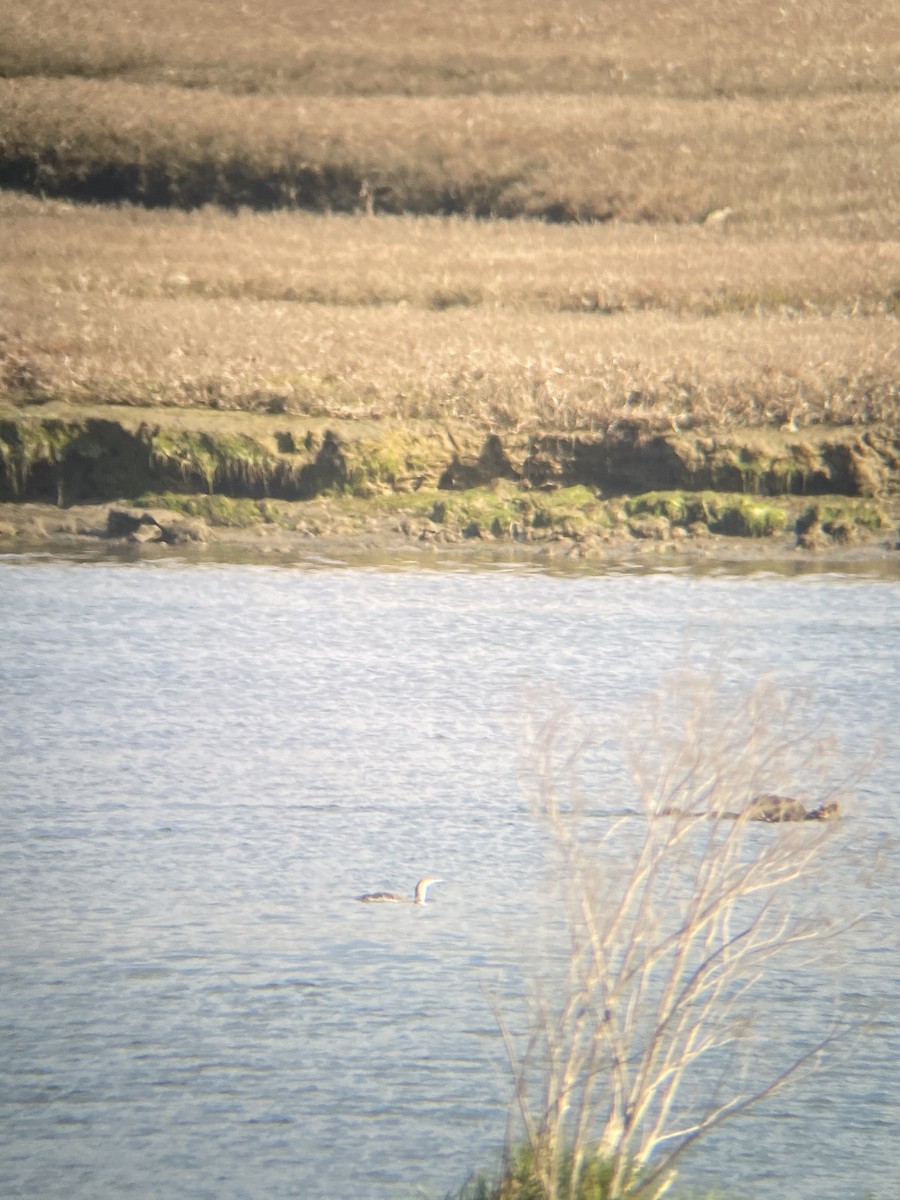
(675,913)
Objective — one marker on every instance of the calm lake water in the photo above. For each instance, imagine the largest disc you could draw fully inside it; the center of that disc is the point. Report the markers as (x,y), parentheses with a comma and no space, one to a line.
(202,765)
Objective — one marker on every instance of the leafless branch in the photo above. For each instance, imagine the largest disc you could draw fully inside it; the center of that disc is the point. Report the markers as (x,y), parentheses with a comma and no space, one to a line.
(674,916)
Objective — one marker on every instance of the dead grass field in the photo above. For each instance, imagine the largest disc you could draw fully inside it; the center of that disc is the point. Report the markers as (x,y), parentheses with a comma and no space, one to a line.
(621,126)
(823,162)
(437,263)
(688,48)
(637,111)
(506,324)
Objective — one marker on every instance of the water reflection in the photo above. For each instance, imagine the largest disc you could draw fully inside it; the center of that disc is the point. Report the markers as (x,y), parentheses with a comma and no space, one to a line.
(728,559)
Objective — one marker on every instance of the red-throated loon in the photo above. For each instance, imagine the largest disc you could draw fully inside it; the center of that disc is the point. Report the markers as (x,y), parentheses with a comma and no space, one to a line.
(395,897)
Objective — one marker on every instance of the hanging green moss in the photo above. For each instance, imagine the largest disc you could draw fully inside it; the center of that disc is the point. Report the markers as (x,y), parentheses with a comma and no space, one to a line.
(69,461)
(745,517)
(841,520)
(232,463)
(28,445)
(400,458)
(214,510)
(506,510)
(730,514)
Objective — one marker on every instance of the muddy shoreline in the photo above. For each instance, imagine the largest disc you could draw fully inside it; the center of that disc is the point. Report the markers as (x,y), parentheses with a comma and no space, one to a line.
(96,479)
(83,532)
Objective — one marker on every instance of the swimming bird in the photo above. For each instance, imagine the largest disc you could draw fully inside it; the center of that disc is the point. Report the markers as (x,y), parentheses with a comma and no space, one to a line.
(395,898)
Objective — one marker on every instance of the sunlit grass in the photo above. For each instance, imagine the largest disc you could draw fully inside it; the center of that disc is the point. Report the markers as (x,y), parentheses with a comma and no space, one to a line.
(632,124)
(824,161)
(688,48)
(443,263)
(505,324)
(562,371)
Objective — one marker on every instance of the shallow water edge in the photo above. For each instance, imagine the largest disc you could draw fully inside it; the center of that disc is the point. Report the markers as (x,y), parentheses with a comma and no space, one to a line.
(81,534)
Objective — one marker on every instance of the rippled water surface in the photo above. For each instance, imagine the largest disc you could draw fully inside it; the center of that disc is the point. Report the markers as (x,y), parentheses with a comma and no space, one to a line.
(201,766)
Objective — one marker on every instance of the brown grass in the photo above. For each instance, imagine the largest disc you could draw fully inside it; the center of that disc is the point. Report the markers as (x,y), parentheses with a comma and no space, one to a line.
(642,115)
(823,162)
(509,325)
(442,263)
(634,109)
(686,49)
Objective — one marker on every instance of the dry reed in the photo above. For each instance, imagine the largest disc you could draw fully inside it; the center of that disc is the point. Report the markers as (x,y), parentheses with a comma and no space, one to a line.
(687,48)
(782,117)
(509,325)
(822,161)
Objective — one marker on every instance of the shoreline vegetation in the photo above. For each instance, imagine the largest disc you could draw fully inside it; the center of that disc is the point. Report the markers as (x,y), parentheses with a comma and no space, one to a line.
(281,483)
(195,477)
(533,274)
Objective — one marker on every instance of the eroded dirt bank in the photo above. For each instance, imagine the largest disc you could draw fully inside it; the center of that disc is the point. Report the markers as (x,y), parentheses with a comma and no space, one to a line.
(156,477)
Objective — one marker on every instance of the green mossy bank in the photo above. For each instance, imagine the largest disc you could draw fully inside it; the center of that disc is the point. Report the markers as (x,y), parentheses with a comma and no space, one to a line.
(453,484)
